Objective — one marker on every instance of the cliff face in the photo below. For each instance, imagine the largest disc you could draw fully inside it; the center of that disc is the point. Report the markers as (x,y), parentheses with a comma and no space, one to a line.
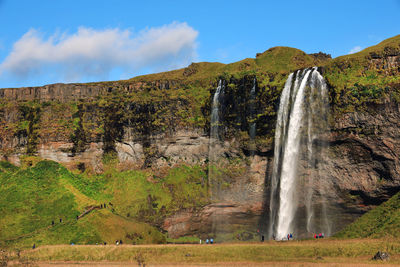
(161,121)
(366,148)
(74,92)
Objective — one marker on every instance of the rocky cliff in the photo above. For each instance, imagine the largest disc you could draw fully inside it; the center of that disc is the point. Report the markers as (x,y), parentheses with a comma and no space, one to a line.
(163,120)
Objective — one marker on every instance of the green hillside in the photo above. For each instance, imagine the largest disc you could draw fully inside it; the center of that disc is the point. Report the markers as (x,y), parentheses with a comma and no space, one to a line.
(32,197)
(382,221)
(273,60)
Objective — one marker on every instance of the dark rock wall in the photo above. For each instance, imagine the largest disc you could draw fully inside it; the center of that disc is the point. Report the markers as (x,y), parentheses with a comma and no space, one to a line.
(365,150)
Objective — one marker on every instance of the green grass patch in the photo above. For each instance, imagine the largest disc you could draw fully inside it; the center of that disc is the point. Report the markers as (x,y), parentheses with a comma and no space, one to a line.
(32,197)
(382,221)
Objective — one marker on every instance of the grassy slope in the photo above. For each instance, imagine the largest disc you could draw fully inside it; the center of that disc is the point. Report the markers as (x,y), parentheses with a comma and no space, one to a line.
(383,221)
(32,197)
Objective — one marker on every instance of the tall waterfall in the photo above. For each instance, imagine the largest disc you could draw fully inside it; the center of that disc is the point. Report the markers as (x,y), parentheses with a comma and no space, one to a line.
(301,121)
(215,144)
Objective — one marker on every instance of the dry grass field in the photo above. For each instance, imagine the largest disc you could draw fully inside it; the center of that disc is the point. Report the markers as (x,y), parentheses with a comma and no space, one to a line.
(328,252)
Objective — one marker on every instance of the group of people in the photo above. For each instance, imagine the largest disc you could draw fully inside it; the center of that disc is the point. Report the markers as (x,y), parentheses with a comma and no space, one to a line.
(52,222)
(320,235)
(208,241)
(102,206)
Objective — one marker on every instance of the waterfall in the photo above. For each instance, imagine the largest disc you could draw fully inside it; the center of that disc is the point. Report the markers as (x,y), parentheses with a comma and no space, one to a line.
(215,144)
(281,125)
(301,120)
(214,127)
(252,130)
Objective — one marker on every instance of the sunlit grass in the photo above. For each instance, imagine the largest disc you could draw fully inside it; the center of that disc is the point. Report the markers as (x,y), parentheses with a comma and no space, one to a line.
(356,251)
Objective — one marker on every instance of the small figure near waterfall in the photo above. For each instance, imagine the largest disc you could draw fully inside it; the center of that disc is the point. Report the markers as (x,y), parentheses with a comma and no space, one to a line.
(289,236)
(320,235)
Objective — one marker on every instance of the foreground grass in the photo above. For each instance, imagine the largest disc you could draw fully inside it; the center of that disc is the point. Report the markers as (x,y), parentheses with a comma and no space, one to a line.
(323,251)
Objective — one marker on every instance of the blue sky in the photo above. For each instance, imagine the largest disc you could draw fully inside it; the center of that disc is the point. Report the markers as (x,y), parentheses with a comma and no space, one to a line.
(52,41)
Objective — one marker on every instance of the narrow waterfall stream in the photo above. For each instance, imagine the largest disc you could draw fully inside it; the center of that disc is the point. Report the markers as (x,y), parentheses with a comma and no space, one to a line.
(252,130)
(215,144)
(215,114)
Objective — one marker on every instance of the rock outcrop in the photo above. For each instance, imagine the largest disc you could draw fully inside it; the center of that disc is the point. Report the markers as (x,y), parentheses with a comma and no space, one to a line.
(217,218)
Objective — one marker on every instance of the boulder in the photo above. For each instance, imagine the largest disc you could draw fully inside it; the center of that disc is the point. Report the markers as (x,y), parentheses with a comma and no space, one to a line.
(380,255)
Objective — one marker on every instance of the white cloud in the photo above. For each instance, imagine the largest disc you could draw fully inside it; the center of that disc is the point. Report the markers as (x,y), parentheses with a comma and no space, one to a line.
(355,49)
(95,53)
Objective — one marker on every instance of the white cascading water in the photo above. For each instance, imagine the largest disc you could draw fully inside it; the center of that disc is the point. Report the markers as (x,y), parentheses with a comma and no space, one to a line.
(214,144)
(280,129)
(317,125)
(252,131)
(215,113)
(302,105)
